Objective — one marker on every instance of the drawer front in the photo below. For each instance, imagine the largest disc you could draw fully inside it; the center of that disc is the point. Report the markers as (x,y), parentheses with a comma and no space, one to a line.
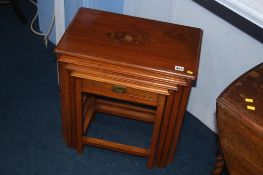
(118,91)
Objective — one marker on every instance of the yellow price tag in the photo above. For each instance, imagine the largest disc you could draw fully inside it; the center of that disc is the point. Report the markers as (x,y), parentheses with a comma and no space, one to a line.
(250,100)
(253,108)
(189,72)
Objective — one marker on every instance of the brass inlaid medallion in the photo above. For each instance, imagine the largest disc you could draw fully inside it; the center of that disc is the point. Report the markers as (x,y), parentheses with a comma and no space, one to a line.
(127,37)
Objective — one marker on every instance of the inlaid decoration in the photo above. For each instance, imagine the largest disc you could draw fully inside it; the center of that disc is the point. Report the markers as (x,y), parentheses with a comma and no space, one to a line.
(128,37)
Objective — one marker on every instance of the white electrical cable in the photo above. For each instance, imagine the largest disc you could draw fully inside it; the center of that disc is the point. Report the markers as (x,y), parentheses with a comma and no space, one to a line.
(39,33)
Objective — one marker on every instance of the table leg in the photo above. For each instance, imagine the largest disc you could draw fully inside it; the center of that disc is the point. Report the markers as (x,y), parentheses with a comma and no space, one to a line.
(65,102)
(79,118)
(156,130)
(219,165)
(220,162)
(164,128)
(72,93)
(171,126)
(179,123)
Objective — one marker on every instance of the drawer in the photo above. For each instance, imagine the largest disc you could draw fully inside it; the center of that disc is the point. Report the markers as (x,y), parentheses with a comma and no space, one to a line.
(119,92)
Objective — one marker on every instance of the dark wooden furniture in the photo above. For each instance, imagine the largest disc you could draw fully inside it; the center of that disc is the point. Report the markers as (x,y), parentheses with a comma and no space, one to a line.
(240,123)
(143,62)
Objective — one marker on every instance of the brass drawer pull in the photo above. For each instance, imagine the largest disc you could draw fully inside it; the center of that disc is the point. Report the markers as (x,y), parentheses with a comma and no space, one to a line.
(118,89)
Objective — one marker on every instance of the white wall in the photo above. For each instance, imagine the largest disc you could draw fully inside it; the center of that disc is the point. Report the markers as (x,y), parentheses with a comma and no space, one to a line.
(45,12)
(59,7)
(65,11)
(71,7)
(154,9)
(226,52)
(106,5)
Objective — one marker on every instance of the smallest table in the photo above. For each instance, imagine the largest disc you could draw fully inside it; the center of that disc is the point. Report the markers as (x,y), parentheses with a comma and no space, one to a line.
(129,67)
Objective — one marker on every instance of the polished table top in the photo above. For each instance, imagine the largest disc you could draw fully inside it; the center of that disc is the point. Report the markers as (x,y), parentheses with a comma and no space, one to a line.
(122,39)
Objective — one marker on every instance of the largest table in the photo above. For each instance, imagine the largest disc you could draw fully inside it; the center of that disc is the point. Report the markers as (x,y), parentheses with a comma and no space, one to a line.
(139,61)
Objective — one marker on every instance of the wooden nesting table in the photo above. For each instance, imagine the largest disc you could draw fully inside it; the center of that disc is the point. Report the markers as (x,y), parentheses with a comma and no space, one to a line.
(119,64)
